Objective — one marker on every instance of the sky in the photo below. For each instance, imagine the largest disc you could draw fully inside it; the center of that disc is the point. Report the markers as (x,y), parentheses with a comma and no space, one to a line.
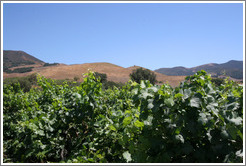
(148,35)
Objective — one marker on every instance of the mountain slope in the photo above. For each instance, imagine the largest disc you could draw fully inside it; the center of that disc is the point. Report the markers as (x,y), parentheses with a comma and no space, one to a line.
(18,58)
(114,73)
(232,68)
(20,64)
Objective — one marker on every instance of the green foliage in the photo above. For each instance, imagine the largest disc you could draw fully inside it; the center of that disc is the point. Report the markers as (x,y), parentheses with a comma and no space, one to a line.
(25,83)
(143,74)
(101,76)
(50,64)
(9,64)
(111,84)
(238,74)
(18,70)
(217,81)
(105,83)
(76,78)
(196,122)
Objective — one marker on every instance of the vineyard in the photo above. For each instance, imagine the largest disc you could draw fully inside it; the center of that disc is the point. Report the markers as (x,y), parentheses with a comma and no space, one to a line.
(196,122)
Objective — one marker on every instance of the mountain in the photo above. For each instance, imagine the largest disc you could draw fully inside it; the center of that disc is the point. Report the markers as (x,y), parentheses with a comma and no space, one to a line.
(175,71)
(232,68)
(19,58)
(114,73)
(20,64)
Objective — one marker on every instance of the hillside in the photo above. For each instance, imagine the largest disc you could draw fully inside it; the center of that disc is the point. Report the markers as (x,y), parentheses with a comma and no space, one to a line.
(19,62)
(19,58)
(232,68)
(114,73)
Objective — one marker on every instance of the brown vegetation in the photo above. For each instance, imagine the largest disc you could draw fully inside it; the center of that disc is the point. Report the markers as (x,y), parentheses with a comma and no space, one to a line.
(114,73)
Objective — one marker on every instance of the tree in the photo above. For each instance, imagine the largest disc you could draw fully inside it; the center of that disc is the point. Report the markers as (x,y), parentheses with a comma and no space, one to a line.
(143,74)
(32,78)
(103,77)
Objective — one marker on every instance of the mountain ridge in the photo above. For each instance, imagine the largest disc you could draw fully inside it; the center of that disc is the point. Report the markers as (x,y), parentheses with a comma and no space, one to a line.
(114,72)
(63,71)
(232,68)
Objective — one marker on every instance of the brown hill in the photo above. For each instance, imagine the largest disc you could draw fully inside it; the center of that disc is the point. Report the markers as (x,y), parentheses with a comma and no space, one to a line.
(114,73)
(19,58)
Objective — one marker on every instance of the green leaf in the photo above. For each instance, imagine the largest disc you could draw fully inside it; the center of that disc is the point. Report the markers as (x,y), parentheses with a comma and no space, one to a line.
(135,91)
(148,121)
(178,95)
(224,134)
(203,118)
(179,138)
(169,102)
(154,89)
(76,95)
(43,146)
(127,156)
(187,93)
(237,121)
(195,102)
(139,124)
(142,84)
(240,134)
(40,132)
(150,106)
(232,130)
(145,94)
(111,127)
(127,121)
(232,106)
(239,153)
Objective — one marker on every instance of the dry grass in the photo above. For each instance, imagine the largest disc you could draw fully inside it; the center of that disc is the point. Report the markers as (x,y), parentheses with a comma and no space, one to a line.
(114,73)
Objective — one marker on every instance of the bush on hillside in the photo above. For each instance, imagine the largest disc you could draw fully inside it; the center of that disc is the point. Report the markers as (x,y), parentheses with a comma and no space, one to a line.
(217,81)
(25,83)
(143,74)
(50,64)
(18,70)
(101,76)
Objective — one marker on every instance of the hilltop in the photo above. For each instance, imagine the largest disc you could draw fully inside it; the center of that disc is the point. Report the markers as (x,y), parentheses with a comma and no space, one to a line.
(232,68)
(19,58)
(19,62)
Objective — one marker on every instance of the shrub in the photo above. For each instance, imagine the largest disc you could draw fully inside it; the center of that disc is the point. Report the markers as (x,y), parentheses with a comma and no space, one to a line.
(50,64)
(217,81)
(25,83)
(111,84)
(18,70)
(143,74)
(101,76)
(76,78)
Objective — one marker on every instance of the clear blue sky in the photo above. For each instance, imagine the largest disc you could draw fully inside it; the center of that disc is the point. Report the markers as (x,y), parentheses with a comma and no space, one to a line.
(147,35)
